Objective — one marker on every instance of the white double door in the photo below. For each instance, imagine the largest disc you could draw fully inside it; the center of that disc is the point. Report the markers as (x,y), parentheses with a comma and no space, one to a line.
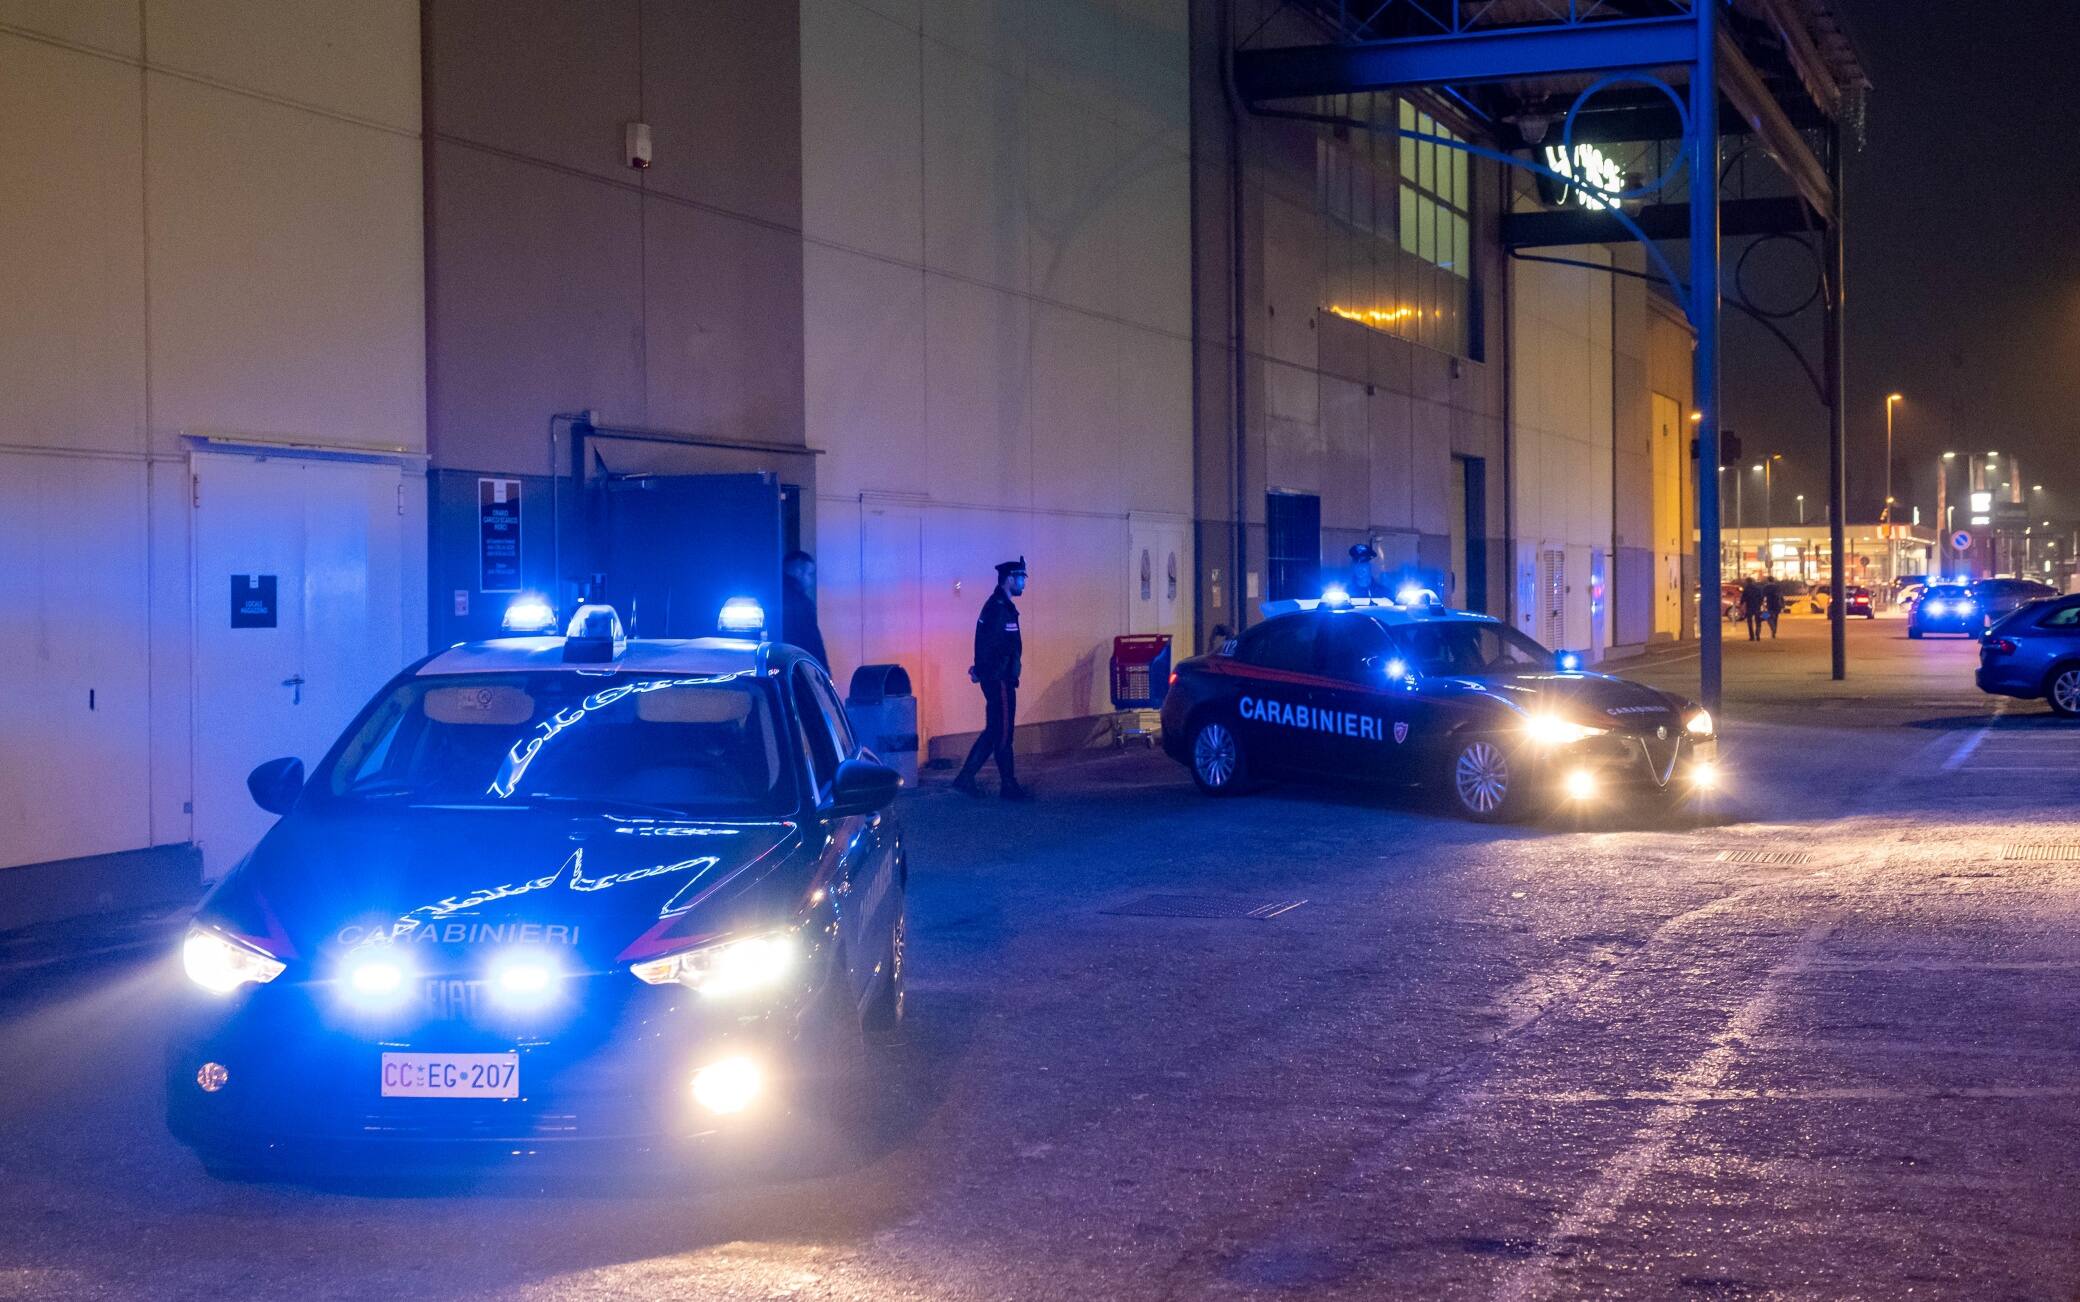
(301,610)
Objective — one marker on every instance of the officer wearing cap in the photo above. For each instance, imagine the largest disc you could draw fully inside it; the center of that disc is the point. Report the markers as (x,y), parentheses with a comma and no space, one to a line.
(1361,583)
(998,651)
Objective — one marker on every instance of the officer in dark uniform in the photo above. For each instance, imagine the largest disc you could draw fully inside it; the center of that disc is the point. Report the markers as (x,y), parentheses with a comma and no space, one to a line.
(998,651)
(1361,582)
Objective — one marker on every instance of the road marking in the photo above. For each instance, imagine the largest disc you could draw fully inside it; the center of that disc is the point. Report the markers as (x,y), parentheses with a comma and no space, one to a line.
(1697,1085)
(1968,745)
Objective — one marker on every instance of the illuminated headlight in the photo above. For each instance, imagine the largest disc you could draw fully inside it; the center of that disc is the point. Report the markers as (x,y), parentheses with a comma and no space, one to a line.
(525,978)
(1580,784)
(727,1086)
(221,965)
(730,968)
(1938,607)
(1549,731)
(376,975)
(1704,775)
(1699,724)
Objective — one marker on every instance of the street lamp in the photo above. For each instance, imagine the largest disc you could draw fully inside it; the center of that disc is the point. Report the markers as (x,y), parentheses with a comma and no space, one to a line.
(1891,400)
(1762,554)
(1801,510)
(1941,557)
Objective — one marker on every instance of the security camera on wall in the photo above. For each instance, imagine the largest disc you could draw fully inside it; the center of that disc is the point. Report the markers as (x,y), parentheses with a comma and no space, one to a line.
(638,145)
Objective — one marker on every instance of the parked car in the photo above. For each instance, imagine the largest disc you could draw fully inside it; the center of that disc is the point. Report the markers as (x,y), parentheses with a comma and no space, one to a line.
(1999,598)
(1857,601)
(2035,652)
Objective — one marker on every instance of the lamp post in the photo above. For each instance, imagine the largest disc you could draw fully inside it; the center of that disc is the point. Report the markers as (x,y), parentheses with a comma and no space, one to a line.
(1891,400)
(1942,513)
(1767,466)
(1801,510)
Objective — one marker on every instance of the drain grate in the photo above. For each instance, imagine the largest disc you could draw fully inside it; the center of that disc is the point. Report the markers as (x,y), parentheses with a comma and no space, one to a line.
(1202,906)
(2042,853)
(1779,858)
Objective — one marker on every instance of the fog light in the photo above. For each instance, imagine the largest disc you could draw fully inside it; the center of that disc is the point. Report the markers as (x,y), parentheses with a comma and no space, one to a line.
(524,980)
(727,1086)
(212,1076)
(1580,784)
(375,977)
(1704,775)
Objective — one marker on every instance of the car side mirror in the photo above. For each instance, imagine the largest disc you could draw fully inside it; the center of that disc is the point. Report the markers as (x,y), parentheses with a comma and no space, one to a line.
(276,784)
(864,787)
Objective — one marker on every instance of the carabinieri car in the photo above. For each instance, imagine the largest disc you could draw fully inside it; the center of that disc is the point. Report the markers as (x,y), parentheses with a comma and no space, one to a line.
(1381,692)
(549,890)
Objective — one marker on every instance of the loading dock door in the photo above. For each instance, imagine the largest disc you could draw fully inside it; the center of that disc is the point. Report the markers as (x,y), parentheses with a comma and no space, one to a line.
(298,618)
(675,547)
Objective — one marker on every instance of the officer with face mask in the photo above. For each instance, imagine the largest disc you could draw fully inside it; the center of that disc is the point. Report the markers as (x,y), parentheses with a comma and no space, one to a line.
(998,651)
(1361,582)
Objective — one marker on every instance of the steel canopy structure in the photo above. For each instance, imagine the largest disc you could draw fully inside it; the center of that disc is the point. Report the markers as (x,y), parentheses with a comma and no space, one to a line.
(1780,76)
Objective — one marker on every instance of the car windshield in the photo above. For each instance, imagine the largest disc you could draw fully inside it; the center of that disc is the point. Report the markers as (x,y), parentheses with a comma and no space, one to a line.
(660,745)
(1470,649)
(1948,594)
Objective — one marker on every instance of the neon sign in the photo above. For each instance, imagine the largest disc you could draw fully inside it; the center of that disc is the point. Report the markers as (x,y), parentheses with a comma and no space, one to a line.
(1598,175)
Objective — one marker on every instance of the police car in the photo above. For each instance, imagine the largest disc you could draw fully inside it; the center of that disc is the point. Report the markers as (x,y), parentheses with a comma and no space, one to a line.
(1406,691)
(547,890)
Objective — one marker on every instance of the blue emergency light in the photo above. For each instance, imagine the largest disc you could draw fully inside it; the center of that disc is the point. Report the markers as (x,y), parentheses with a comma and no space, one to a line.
(594,635)
(1569,661)
(529,613)
(1335,597)
(742,616)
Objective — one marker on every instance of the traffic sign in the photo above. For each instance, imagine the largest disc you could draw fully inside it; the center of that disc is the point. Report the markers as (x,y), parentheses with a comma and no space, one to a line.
(1961,541)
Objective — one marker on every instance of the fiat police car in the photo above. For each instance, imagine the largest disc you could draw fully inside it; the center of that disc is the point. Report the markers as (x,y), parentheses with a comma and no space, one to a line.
(1408,692)
(547,890)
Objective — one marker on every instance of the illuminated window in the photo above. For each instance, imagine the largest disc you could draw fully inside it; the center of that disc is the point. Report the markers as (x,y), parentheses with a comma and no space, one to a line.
(1397,215)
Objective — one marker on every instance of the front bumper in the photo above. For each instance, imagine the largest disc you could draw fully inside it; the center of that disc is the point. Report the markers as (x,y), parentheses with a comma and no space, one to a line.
(1632,763)
(301,1081)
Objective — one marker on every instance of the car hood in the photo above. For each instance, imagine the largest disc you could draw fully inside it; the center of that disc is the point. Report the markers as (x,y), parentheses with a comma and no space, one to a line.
(450,882)
(1598,700)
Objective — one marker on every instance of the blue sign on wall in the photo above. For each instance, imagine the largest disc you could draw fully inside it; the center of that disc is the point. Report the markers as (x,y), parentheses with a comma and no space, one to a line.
(253,601)
(498,535)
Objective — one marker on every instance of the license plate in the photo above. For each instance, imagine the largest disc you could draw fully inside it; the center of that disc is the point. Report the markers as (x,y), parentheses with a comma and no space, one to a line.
(451,1075)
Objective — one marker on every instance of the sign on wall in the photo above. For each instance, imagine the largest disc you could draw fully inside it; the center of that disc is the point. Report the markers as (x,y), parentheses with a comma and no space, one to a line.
(253,602)
(1588,164)
(498,535)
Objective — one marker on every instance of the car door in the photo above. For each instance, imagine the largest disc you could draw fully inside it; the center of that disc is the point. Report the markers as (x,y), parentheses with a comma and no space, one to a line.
(849,840)
(1278,659)
(877,881)
(1367,692)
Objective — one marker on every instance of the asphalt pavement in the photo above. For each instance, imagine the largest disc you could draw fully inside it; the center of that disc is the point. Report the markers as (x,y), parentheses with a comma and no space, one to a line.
(1821,1039)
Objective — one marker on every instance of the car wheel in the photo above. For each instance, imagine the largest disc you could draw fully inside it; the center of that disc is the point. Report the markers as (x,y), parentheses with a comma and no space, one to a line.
(1218,763)
(885,1013)
(1484,781)
(2062,689)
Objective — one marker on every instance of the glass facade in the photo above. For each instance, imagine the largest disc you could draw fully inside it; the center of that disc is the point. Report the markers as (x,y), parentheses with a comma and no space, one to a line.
(1398,218)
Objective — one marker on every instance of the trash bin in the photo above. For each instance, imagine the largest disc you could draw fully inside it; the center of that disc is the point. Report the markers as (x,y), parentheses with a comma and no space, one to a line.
(884,714)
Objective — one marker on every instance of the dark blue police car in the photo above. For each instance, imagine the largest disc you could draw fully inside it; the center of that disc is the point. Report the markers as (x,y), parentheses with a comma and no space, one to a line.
(546,890)
(1412,693)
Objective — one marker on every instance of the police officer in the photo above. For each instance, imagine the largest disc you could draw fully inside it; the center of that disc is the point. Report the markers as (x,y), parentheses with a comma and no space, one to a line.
(1361,583)
(998,650)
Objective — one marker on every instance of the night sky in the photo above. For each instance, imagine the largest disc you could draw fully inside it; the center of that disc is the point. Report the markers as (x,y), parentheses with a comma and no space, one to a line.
(1964,264)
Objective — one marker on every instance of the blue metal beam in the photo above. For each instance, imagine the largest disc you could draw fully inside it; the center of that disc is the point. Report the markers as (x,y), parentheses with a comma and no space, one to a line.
(1498,55)
(1664,221)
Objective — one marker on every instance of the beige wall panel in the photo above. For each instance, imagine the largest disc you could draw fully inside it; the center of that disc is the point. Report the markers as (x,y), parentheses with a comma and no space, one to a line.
(1292,283)
(287,271)
(172,683)
(905,13)
(72,358)
(862,172)
(1070,45)
(1152,100)
(74,587)
(1152,240)
(974,169)
(359,59)
(863,346)
(722,94)
(992,31)
(1346,456)
(978,413)
(723,307)
(1155,420)
(1393,491)
(102,24)
(548,79)
(1076,216)
(1077,457)
(1431,466)
(535,299)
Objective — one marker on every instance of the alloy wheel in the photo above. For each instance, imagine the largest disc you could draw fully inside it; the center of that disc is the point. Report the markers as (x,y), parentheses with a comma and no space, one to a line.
(1214,754)
(2065,691)
(1482,777)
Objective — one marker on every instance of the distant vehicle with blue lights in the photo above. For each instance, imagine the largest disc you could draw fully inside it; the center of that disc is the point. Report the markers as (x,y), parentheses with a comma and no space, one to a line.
(2034,654)
(546,891)
(1946,608)
(1407,692)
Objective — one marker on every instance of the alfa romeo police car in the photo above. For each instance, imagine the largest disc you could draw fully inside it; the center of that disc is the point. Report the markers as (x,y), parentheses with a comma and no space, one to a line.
(1409,692)
(546,890)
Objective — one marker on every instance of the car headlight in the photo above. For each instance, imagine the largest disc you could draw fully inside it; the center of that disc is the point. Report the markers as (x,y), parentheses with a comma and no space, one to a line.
(1549,731)
(221,965)
(1700,723)
(730,967)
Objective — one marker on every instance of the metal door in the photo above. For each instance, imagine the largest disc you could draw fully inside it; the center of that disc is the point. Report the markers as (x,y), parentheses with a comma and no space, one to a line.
(1552,596)
(298,618)
(1158,579)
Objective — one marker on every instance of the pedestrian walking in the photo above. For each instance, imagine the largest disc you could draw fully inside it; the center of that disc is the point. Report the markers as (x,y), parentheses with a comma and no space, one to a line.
(998,652)
(798,606)
(1751,607)
(1772,602)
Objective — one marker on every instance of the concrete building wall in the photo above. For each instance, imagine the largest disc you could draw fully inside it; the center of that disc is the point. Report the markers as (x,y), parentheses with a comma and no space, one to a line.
(997,333)
(211,222)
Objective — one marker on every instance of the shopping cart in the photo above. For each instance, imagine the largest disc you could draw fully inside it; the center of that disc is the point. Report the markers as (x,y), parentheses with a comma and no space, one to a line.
(1140,680)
